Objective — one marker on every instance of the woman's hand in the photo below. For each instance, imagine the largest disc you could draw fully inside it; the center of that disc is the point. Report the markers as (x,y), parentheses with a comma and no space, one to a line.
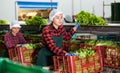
(76,26)
(18,45)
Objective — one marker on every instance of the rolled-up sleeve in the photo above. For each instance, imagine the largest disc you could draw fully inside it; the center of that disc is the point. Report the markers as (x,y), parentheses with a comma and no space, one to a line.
(67,35)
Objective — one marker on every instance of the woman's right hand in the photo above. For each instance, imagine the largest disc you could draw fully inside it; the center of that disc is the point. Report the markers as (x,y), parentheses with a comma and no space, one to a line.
(18,45)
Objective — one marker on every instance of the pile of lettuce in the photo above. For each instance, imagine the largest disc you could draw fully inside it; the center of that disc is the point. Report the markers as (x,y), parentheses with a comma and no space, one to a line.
(86,18)
(37,20)
(32,46)
(102,43)
(4,22)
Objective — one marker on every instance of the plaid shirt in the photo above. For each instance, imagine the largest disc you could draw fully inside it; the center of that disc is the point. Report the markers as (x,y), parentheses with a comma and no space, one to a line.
(11,41)
(50,31)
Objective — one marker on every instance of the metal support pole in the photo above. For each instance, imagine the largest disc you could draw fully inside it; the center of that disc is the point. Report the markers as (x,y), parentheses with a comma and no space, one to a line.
(51,4)
(103,11)
(72,7)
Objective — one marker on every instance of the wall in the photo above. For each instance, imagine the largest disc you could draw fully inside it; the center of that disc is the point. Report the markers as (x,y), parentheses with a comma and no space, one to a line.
(69,7)
(7,8)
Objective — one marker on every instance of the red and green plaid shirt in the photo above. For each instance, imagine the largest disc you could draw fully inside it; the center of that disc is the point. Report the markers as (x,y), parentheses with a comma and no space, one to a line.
(12,42)
(50,31)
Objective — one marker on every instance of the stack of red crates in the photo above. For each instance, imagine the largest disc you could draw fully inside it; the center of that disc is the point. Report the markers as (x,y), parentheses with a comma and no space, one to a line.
(73,64)
(112,57)
(22,55)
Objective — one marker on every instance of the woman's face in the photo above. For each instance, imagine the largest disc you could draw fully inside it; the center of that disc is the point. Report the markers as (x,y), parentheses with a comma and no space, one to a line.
(58,20)
(15,30)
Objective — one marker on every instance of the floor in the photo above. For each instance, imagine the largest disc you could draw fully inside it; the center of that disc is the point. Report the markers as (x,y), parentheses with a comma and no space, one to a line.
(110,70)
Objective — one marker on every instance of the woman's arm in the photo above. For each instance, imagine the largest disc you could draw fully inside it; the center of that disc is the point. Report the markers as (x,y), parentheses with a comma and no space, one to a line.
(68,35)
(8,42)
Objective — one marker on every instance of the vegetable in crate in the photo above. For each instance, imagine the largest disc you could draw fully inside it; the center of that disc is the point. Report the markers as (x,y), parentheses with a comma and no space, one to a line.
(91,42)
(91,69)
(82,53)
(31,46)
(106,43)
(97,66)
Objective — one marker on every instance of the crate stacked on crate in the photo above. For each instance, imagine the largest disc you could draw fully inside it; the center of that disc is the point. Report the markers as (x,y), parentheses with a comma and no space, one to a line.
(74,64)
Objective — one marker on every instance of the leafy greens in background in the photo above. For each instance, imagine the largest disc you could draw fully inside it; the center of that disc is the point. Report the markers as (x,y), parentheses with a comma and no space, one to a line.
(4,22)
(85,18)
(37,20)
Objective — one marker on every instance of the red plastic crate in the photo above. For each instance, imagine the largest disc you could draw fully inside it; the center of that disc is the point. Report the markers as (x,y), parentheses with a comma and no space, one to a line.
(72,64)
(13,55)
(87,46)
(22,55)
(25,55)
(103,51)
(112,56)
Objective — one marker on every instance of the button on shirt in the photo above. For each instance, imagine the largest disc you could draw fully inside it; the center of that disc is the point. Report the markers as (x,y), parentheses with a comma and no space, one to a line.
(50,31)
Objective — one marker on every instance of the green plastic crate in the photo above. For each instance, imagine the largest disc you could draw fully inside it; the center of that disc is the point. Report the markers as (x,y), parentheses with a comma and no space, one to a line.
(6,66)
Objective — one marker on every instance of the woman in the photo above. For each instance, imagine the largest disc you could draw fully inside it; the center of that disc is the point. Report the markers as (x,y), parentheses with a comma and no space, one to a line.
(52,38)
(14,37)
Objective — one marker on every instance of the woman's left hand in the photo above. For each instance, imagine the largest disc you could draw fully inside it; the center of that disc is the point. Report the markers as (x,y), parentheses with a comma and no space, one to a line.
(76,25)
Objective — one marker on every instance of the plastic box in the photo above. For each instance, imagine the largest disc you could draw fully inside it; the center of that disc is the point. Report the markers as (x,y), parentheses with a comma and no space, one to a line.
(72,64)
(112,57)
(6,66)
(23,55)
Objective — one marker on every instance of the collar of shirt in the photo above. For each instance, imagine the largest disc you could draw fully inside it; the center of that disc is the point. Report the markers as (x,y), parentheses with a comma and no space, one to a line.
(60,27)
(16,34)
(55,32)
